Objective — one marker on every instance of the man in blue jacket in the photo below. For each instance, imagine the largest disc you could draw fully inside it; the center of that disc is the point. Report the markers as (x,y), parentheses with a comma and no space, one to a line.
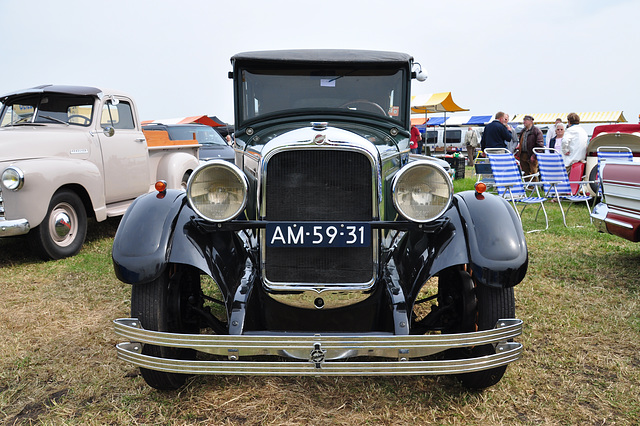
(497,133)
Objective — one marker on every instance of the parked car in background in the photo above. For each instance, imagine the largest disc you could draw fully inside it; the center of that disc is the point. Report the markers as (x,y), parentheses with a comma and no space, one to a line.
(611,135)
(212,144)
(326,249)
(619,211)
(72,152)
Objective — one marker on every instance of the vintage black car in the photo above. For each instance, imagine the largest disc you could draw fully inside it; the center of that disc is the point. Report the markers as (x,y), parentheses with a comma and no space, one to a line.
(325,249)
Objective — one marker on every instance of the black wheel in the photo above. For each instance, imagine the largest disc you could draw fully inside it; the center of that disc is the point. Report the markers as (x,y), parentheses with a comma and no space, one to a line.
(163,305)
(64,228)
(593,178)
(183,182)
(493,304)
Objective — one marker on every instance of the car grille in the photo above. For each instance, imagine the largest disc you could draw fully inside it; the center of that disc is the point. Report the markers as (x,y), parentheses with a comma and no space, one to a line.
(319,185)
(1,205)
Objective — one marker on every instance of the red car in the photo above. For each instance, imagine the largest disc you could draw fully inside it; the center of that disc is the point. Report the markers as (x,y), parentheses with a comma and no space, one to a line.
(619,213)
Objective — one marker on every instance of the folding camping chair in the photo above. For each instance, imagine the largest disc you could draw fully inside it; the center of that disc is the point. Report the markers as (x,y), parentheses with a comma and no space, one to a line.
(509,183)
(611,153)
(555,180)
(483,171)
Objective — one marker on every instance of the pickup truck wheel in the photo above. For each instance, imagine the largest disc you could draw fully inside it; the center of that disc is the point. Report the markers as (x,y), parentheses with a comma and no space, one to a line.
(183,182)
(63,230)
(163,305)
(493,304)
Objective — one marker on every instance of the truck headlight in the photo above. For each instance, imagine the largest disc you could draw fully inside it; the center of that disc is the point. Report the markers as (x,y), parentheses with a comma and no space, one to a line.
(13,178)
(422,191)
(217,191)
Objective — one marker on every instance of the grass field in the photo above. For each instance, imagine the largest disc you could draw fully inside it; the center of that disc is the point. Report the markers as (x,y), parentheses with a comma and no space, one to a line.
(580,303)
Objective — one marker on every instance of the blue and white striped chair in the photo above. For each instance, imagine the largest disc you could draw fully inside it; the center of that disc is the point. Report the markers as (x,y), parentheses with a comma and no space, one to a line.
(555,180)
(508,180)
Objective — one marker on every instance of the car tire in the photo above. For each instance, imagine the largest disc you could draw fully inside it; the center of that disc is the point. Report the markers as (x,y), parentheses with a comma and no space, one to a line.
(493,304)
(63,230)
(594,184)
(163,305)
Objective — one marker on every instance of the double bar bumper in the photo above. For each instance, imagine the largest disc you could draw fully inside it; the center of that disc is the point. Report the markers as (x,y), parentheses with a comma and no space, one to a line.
(320,354)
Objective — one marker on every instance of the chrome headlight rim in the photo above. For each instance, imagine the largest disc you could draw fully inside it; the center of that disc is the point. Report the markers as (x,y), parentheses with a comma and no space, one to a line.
(224,165)
(13,178)
(409,167)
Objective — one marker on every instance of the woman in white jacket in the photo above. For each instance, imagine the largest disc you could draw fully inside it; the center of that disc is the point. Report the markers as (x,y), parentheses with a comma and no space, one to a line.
(574,142)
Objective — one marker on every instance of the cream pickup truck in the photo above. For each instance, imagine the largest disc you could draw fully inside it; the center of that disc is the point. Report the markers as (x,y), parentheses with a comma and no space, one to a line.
(72,152)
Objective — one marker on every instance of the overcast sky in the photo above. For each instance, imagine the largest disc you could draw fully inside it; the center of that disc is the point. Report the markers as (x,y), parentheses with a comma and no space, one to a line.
(173,56)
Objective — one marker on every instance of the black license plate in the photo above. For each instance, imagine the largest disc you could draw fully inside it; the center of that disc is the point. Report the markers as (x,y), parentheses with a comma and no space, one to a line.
(318,234)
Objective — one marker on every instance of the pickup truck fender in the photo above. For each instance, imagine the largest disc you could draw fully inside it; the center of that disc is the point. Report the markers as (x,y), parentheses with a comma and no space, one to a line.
(43,177)
(157,230)
(174,166)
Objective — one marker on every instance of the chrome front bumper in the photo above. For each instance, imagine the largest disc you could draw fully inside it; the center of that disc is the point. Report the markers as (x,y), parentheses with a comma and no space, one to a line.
(9,228)
(318,354)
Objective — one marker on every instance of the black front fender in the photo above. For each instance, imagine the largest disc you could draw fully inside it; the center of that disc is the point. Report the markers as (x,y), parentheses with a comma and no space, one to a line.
(140,247)
(498,254)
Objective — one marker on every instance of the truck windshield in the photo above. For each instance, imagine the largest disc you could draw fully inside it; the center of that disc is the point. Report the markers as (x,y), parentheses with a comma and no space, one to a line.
(377,92)
(47,108)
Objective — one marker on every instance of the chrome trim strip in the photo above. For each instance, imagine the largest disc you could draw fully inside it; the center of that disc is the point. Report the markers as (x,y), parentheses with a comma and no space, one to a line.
(9,228)
(299,346)
(624,212)
(506,353)
(618,223)
(625,184)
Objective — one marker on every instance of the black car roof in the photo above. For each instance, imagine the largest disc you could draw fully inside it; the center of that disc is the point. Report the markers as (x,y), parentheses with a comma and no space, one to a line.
(53,88)
(324,56)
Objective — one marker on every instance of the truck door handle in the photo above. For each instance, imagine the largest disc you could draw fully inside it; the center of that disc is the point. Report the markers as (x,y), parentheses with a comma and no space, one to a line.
(139,139)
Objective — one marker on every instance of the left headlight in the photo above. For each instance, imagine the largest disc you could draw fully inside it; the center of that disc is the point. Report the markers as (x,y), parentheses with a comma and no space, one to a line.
(217,191)
(13,178)
(422,191)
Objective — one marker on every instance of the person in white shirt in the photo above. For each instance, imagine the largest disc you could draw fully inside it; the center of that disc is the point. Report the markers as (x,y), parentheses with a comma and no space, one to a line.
(574,142)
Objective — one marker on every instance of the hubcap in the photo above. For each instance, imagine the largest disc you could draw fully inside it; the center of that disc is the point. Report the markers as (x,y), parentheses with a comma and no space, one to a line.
(63,224)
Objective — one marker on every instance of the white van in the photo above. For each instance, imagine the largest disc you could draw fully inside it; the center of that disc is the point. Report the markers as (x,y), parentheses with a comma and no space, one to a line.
(455,137)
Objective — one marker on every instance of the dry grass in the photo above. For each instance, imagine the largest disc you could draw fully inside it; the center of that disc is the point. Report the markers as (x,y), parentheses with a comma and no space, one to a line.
(580,303)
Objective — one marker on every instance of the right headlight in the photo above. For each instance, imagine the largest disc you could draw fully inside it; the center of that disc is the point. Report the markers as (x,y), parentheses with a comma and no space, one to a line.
(13,178)
(217,191)
(422,191)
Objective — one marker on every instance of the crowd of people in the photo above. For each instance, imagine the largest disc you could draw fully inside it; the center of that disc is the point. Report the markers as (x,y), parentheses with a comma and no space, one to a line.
(571,141)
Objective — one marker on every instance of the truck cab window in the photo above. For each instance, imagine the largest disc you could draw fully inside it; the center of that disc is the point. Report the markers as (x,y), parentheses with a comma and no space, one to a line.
(119,116)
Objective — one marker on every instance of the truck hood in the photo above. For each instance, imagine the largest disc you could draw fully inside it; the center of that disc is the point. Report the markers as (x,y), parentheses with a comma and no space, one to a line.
(39,141)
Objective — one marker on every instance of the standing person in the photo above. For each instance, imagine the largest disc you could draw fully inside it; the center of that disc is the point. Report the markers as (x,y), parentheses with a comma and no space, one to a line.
(574,142)
(530,138)
(471,140)
(497,132)
(556,141)
(513,143)
(415,138)
(551,133)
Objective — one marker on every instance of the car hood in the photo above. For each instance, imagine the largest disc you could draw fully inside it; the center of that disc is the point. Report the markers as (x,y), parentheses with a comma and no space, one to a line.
(38,141)
(216,152)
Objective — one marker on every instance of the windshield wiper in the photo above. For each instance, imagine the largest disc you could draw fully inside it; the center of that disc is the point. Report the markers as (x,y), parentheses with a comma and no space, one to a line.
(54,119)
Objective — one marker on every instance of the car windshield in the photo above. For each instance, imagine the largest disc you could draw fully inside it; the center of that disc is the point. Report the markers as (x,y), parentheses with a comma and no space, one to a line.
(48,108)
(275,91)
(205,135)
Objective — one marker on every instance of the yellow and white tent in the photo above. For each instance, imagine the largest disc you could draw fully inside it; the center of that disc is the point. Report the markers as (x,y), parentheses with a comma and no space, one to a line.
(585,117)
(434,102)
